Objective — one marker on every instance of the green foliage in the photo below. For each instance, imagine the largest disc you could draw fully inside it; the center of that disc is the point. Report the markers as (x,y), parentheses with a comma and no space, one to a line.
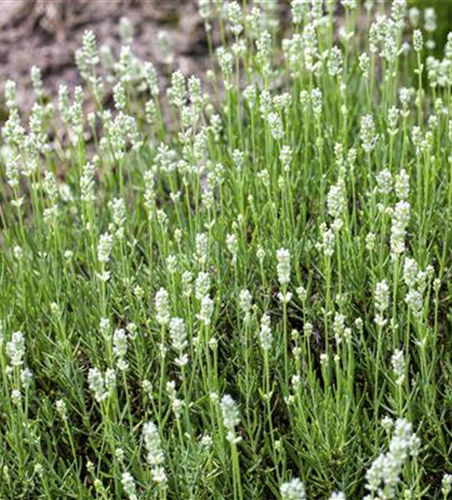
(443,9)
(238,289)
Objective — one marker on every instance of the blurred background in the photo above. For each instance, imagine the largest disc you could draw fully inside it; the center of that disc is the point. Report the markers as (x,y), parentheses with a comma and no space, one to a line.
(46,33)
(443,10)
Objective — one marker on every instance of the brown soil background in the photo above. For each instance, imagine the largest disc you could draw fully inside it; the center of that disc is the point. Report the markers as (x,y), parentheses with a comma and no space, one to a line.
(46,33)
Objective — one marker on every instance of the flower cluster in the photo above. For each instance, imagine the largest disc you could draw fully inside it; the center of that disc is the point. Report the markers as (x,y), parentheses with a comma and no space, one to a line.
(155,454)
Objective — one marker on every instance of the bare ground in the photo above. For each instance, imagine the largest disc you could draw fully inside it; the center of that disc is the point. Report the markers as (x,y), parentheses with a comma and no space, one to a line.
(46,33)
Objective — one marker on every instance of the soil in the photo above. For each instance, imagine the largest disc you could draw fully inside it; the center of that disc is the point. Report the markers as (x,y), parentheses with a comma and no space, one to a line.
(46,33)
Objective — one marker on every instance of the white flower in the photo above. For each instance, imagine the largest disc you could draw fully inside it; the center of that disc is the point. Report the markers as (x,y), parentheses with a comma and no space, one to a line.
(178,334)
(158,475)
(385,471)
(400,222)
(162,307)
(446,485)
(328,240)
(231,417)
(119,96)
(283,266)
(335,61)
(202,285)
(336,201)
(265,333)
(368,136)
(153,445)
(207,307)
(245,300)
(119,216)
(15,349)
(285,298)
(87,183)
(414,14)
(120,348)
(293,490)
(381,302)
(402,185)
(10,93)
(104,248)
(235,17)
(276,126)
(299,10)
(202,248)
(410,272)
(302,293)
(286,158)
(414,302)
(26,377)
(398,12)
(36,78)
(338,495)
(128,483)
(155,455)
(418,40)
(398,366)
(430,20)
(187,283)
(61,409)
(16,397)
(384,181)
(364,64)
(97,384)
(339,327)
(89,49)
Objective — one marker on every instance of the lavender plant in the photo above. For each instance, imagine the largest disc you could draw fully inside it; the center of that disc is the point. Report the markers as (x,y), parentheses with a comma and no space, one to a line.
(235,286)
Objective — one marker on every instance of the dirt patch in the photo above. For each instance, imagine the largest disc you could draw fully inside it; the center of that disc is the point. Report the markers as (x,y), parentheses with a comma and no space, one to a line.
(46,33)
